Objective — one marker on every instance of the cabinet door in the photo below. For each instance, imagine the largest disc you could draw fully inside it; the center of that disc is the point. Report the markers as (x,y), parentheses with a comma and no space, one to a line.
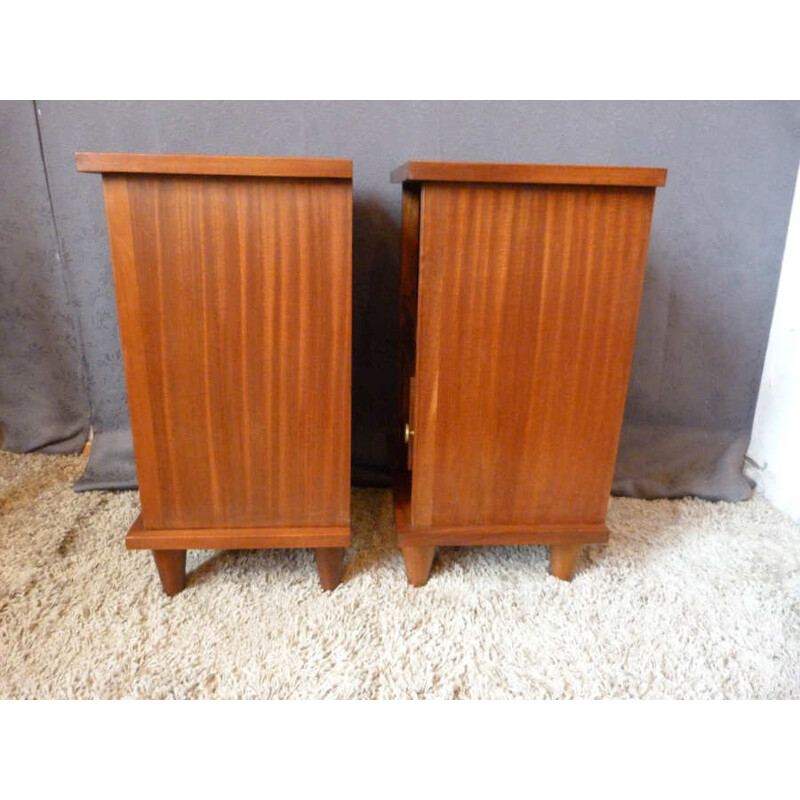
(528,303)
(234,307)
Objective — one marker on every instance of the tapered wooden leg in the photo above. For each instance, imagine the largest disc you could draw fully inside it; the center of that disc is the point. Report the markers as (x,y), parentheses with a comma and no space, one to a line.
(418,564)
(330,565)
(171,569)
(563,558)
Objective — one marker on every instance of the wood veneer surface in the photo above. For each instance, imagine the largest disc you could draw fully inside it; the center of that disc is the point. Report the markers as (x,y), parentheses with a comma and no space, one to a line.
(477,172)
(244,538)
(264,166)
(527,312)
(235,310)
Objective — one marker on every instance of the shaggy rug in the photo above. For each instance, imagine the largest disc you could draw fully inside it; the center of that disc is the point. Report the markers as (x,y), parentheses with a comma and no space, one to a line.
(690,599)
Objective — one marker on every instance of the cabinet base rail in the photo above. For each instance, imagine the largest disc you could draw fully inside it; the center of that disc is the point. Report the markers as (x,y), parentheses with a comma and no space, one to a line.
(418,544)
(169,547)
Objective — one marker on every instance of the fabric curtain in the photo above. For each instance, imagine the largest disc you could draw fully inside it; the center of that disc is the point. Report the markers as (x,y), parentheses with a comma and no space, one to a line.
(716,245)
(43,399)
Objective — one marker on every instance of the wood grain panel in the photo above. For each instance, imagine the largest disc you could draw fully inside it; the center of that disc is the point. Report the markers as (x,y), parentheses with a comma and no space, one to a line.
(476,172)
(264,166)
(234,297)
(528,304)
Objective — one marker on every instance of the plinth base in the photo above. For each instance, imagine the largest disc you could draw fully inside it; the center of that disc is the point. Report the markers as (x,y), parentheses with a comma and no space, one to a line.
(418,544)
(169,547)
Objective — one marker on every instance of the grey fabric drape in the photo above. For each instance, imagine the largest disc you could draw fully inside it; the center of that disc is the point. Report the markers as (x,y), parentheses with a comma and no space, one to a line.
(716,246)
(43,401)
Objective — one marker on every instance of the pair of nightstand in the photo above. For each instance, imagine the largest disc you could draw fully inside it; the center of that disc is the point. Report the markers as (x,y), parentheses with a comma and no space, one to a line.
(519,296)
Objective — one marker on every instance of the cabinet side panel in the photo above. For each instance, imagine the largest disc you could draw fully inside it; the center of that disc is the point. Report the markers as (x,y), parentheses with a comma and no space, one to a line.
(244,290)
(529,299)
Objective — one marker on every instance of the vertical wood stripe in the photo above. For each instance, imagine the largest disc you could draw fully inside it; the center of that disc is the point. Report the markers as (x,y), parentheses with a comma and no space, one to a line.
(528,303)
(240,391)
(129,312)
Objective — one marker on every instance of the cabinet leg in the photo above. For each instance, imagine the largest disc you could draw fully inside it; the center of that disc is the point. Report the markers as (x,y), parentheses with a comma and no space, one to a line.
(330,565)
(563,558)
(418,564)
(171,566)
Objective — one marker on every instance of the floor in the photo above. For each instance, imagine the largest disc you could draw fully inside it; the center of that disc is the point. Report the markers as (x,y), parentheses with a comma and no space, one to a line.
(690,599)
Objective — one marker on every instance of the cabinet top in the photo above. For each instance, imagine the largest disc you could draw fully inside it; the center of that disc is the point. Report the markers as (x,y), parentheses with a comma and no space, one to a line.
(475,172)
(261,166)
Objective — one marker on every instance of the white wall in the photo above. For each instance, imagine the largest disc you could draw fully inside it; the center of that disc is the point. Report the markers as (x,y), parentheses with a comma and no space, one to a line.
(775,443)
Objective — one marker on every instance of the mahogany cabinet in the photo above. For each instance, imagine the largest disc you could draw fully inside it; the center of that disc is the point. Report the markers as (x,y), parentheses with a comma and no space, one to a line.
(520,290)
(233,284)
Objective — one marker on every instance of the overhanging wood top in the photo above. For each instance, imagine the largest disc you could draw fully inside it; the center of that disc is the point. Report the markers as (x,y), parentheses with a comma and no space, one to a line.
(476,172)
(261,166)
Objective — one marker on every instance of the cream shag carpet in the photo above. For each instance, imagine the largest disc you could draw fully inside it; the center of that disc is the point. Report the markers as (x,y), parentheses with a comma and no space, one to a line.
(689,600)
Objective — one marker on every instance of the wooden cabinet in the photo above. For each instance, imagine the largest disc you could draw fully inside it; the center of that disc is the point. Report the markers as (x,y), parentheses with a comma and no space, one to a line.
(233,282)
(520,289)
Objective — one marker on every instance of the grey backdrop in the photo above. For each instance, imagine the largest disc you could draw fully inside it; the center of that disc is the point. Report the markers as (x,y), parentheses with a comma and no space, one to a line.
(716,246)
(43,401)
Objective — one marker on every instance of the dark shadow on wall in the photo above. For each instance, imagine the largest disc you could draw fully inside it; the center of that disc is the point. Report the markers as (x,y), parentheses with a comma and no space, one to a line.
(376,280)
